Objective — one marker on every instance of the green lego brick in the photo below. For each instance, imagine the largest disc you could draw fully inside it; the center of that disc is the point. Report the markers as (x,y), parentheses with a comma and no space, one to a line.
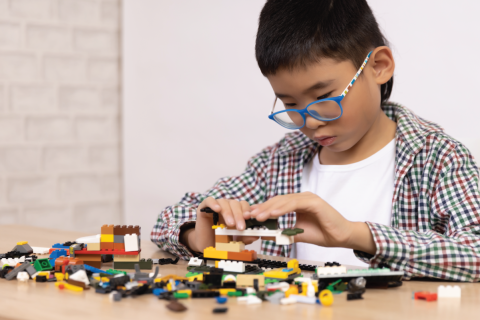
(144,264)
(182,295)
(42,265)
(235,293)
(192,274)
(292,232)
(270,280)
(113,271)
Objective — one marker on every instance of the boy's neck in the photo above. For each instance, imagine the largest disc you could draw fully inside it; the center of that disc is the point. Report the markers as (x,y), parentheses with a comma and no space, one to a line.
(378,136)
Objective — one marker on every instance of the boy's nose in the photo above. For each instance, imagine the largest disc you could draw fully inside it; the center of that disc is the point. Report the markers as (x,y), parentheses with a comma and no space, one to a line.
(312,123)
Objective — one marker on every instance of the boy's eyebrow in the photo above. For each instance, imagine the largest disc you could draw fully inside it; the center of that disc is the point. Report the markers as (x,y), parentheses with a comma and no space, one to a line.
(318,85)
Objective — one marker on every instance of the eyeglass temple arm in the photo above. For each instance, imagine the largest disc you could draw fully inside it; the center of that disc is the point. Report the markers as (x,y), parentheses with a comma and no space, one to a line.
(274,103)
(356,75)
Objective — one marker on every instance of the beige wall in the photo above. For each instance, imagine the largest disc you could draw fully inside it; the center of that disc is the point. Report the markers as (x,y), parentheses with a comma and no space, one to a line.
(60,113)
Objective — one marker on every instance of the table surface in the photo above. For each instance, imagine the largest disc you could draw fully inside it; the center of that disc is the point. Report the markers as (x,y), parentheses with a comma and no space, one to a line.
(33,300)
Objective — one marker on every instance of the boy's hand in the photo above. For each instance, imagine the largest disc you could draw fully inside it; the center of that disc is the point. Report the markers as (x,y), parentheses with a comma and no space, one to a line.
(322,224)
(230,213)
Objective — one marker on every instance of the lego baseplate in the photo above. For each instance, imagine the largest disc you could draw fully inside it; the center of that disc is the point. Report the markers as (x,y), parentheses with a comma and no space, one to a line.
(373,276)
(267,264)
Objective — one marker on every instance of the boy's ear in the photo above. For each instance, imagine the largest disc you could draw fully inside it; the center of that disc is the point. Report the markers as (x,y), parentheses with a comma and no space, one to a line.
(383,64)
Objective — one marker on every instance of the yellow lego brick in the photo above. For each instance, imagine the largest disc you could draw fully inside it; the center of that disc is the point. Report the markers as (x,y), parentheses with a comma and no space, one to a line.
(224,292)
(126,257)
(93,246)
(106,238)
(211,252)
(198,277)
(105,279)
(232,246)
(222,226)
(292,264)
(68,286)
(279,273)
(188,291)
(59,276)
(158,280)
(292,290)
(21,243)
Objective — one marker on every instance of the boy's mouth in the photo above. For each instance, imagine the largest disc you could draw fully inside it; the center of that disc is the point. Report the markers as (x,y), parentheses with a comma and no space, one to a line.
(325,140)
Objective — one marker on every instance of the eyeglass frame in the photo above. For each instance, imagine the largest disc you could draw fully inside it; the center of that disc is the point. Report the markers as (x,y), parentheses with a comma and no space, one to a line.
(337,99)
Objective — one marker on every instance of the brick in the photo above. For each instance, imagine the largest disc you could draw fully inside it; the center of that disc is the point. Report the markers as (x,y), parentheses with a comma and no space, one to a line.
(31,190)
(56,217)
(124,230)
(118,246)
(89,217)
(90,257)
(80,12)
(93,246)
(20,159)
(18,66)
(49,129)
(104,71)
(118,238)
(11,129)
(32,98)
(65,69)
(106,157)
(95,41)
(223,239)
(9,35)
(126,258)
(242,256)
(77,98)
(63,158)
(48,38)
(233,246)
(9,216)
(97,129)
(247,280)
(39,9)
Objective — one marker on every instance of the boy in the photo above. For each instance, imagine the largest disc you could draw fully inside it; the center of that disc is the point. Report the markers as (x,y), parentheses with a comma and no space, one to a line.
(363,177)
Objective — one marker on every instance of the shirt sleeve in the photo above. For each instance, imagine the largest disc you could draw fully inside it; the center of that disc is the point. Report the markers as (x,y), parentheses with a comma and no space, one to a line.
(249,186)
(451,250)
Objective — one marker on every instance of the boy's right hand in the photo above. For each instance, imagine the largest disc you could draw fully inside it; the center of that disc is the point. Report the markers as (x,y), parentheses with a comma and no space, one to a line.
(230,213)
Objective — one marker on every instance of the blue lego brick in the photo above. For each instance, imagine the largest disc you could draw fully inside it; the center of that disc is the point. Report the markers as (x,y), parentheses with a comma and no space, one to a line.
(60,246)
(58,253)
(95,270)
(158,291)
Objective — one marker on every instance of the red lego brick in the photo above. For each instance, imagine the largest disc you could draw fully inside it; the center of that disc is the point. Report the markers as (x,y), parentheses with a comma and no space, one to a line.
(425,295)
(85,251)
(245,255)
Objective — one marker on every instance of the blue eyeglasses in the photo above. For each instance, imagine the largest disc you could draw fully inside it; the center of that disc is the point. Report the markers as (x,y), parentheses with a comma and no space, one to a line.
(328,109)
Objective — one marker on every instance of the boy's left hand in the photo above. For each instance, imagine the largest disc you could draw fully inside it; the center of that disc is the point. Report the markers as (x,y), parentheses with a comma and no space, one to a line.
(322,224)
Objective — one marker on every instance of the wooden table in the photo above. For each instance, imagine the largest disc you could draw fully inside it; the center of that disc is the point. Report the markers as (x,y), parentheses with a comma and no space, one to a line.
(33,300)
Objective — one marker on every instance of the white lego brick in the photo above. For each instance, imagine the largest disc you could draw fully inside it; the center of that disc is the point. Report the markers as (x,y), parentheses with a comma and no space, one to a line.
(41,250)
(449,292)
(303,299)
(284,239)
(331,270)
(232,266)
(280,238)
(289,300)
(23,276)
(80,275)
(151,274)
(195,262)
(250,299)
(89,239)
(12,262)
(131,242)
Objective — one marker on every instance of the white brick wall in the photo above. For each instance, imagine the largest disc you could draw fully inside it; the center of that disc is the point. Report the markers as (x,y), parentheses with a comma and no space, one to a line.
(59,113)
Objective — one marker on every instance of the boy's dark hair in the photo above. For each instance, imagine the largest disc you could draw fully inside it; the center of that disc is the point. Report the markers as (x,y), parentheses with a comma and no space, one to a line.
(295,33)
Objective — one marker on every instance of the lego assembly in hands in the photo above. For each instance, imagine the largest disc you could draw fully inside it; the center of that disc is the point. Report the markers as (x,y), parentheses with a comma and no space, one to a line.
(234,273)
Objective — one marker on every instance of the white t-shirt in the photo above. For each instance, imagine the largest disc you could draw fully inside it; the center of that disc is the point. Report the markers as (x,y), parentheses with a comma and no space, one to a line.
(360,191)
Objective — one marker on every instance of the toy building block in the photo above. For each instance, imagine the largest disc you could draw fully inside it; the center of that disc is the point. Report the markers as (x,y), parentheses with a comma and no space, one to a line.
(195,262)
(13,274)
(425,295)
(449,292)
(247,255)
(124,230)
(126,258)
(213,253)
(42,265)
(292,232)
(41,250)
(231,266)
(247,280)
(80,275)
(90,257)
(283,239)
(23,247)
(12,262)
(109,252)
(107,229)
(63,285)
(23,276)
(223,239)
(93,246)
(331,270)
(233,246)
(131,242)
(144,264)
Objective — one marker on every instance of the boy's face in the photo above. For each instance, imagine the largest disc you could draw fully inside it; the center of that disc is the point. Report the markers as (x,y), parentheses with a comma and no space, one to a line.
(361,105)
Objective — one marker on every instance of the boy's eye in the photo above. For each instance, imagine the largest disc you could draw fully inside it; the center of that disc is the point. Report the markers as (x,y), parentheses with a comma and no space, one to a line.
(293,105)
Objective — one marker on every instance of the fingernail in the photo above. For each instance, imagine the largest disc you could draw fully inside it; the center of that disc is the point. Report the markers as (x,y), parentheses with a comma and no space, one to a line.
(217,206)
(230,221)
(255,211)
(240,226)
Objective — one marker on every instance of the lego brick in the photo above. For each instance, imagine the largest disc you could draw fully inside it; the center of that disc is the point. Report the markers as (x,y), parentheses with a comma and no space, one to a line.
(95,264)
(247,280)
(40,250)
(213,253)
(90,257)
(13,274)
(144,264)
(247,255)
(195,262)
(110,251)
(223,239)
(42,265)
(118,246)
(331,270)
(93,246)
(106,238)
(233,246)
(425,295)
(106,246)
(118,238)
(23,247)
(12,262)
(126,258)
(131,242)
(107,229)
(449,292)
(231,266)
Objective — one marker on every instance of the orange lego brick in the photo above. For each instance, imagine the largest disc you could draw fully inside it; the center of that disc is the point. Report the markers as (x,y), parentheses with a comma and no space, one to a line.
(107,229)
(106,245)
(90,257)
(246,255)
(223,239)
(119,246)
(124,230)
(95,264)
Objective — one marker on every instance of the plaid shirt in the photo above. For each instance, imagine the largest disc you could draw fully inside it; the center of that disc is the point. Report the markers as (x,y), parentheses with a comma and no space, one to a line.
(435,223)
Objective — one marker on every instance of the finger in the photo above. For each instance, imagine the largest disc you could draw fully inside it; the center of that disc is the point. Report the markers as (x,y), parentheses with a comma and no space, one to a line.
(245,209)
(210,202)
(277,208)
(262,208)
(226,212)
(237,211)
